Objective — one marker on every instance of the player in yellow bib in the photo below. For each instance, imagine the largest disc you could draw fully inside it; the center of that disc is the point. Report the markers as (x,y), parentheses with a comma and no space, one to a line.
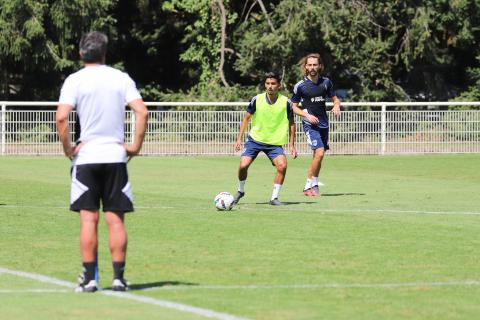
(272,127)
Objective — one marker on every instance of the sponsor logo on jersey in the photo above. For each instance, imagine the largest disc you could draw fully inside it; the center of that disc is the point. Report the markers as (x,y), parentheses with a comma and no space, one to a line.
(317,99)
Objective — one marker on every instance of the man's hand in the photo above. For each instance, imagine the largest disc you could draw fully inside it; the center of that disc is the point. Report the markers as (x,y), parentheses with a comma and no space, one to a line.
(69,151)
(336,110)
(293,151)
(132,149)
(72,150)
(336,106)
(310,118)
(238,145)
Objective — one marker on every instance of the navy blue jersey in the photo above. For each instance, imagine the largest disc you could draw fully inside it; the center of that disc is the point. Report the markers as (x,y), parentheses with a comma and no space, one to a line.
(252,106)
(313,97)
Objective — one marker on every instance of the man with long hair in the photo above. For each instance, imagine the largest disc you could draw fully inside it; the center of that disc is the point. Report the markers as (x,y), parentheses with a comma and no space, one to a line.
(309,101)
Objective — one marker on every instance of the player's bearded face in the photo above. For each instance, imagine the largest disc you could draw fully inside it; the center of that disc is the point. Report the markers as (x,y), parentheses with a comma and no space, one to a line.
(312,67)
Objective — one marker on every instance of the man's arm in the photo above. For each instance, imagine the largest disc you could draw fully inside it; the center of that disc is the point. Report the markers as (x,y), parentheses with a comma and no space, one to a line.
(303,113)
(63,129)
(336,106)
(141,118)
(243,126)
(291,145)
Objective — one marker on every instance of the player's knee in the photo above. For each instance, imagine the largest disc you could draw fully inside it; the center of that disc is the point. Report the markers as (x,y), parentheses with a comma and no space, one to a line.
(319,153)
(89,219)
(244,166)
(281,166)
(114,219)
(117,228)
(114,222)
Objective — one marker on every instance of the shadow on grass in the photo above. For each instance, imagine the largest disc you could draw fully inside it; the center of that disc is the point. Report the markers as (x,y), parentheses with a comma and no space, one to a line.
(342,194)
(287,203)
(158,284)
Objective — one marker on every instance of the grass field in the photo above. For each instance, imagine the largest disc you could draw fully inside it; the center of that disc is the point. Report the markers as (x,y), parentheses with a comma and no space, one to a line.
(390,238)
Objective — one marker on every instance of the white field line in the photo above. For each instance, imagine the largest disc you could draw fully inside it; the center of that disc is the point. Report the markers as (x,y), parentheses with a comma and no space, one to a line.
(35,291)
(288,208)
(322,210)
(27,206)
(291,208)
(129,296)
(464,283)
(38,277)
(370,211)
(323,286)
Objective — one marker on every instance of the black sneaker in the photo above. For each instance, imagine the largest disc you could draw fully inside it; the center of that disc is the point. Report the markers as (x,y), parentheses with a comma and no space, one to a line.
(119,285)
(276,202)
(238,196)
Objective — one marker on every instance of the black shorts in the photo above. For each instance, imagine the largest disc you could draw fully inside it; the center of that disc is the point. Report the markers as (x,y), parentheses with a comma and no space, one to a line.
(101,181)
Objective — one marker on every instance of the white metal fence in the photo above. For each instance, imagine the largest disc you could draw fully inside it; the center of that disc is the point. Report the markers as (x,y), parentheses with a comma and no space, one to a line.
(28,128)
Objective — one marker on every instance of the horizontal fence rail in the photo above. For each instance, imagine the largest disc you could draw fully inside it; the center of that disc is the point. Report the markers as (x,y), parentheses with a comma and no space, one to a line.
(180,128)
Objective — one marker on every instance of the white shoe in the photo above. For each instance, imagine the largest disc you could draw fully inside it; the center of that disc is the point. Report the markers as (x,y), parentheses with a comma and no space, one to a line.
(91,286)
(119,285)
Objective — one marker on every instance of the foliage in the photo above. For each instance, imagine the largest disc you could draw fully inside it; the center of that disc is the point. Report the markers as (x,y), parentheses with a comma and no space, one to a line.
(208,93)
(203,36)
(375,50)
(473,91)
(38,42)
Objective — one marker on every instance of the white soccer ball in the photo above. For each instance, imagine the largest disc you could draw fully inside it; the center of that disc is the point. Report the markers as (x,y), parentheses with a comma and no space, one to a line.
(224,201)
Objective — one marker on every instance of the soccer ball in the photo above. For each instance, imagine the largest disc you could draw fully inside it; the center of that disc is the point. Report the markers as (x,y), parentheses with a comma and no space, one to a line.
(224,201)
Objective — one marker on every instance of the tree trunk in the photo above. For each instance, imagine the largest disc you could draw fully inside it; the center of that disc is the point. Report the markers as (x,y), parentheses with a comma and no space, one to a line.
(264,10)
(223,21)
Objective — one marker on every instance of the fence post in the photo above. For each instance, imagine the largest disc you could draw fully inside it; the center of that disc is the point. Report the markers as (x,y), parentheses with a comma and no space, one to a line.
(3,116)
(383,132)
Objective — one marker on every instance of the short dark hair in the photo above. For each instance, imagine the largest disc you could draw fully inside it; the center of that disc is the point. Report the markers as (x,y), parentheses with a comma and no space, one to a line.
(273,75)
(93,47)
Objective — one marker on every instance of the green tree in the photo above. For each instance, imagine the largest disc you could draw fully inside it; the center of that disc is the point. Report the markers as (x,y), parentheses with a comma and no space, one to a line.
(220,49)
(379,50)
(204,36)
(38,42)
(437,47)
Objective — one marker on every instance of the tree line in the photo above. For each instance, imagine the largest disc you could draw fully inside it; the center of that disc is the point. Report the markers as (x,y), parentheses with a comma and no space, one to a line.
(218,50)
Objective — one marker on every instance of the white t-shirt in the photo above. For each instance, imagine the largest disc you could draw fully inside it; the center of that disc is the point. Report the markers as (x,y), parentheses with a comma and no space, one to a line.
(99,95)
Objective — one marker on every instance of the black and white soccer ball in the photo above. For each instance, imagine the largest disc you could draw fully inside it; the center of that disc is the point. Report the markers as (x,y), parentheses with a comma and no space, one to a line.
(224,201)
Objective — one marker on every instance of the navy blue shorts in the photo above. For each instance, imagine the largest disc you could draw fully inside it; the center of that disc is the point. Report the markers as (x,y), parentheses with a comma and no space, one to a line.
(252,148)
(316,137)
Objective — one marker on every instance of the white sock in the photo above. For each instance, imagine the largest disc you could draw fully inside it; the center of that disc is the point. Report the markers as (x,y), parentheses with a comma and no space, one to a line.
(241,185)
(315,182)
(276,191)
(308,185)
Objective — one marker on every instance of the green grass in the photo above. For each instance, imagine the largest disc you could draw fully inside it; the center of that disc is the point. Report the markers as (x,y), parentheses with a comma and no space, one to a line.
(381,220)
